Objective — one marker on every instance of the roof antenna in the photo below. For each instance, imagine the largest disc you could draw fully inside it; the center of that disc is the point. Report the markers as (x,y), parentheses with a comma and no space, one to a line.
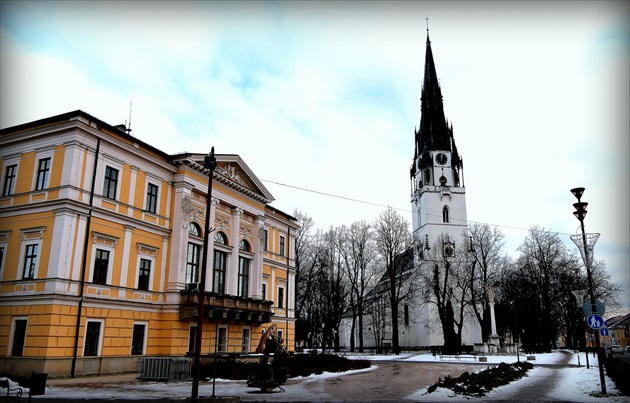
(129,125)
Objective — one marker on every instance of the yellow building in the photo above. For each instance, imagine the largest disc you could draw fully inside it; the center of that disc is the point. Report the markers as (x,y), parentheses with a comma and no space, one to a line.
(101,246)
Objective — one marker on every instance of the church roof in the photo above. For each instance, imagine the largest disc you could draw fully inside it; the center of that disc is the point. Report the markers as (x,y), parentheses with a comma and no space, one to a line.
(434,132)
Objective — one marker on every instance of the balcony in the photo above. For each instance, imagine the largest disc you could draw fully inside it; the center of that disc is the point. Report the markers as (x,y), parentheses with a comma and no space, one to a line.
(225,308)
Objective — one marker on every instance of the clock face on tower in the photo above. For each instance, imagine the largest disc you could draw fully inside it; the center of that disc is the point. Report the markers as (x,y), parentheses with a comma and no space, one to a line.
(440,158)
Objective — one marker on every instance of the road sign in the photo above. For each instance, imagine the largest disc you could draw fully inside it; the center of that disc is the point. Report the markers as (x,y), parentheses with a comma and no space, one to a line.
(603,331)
(600,309)
(595,321)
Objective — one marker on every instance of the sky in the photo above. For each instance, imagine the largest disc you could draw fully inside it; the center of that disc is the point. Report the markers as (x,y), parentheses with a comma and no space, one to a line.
(321,99)
(576,383)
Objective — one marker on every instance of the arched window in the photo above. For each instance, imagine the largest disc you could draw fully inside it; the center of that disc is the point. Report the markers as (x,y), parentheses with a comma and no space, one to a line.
(193,229)
(445,214)
(219,237)
(244,246)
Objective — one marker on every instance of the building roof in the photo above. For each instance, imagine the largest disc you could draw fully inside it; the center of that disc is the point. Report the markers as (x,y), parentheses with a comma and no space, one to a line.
(620,321)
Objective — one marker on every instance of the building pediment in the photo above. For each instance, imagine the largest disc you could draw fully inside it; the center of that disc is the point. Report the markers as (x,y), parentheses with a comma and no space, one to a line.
(232,171)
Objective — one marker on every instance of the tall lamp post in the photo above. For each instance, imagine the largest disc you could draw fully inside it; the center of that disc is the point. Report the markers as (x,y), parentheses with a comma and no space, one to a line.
(210,163)
(580,213)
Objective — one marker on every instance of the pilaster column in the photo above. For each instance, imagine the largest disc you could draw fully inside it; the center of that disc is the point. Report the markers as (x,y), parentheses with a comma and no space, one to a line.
(257,265)
(214,203)
(124,270)
(185,211)
(232,269)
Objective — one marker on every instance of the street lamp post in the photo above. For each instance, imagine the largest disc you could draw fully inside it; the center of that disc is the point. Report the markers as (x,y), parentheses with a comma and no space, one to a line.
(580,213)
(210,163)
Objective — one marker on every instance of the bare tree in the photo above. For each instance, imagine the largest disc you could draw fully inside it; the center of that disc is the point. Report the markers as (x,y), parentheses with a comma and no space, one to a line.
(483,270)
(308,248)
(438,277)
(333,286)
(378,319)
(358,248)
(394,243)
(543,262)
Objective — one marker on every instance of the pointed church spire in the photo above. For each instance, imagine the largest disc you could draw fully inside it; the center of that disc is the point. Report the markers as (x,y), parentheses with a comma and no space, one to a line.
(433,133)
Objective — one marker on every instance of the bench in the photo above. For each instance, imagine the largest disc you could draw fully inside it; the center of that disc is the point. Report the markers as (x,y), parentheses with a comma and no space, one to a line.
(458,357)
(13,392)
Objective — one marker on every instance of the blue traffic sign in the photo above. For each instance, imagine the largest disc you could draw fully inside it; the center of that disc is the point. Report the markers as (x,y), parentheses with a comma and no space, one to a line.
(595,321)
(603,331)
(600,309)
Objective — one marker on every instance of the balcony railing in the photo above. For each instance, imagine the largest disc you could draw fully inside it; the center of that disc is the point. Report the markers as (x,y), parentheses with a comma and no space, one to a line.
(225,308)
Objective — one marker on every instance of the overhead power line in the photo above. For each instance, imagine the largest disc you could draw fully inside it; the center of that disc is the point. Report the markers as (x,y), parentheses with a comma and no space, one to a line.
(387,206)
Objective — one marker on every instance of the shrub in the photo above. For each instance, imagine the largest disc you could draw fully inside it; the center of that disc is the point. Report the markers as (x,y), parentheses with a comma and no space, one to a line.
(297,365)
(480,383)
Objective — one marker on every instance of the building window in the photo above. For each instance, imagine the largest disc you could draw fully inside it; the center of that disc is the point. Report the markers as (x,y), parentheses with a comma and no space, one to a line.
(222,340)
(194,230)
(219,238)
(43,171)
(280,334)
(280,297)
(406,315)
(137,340)
(192,256)
(9,180)
(152,197)
(427,176)
(445,214)
(111,183)
(266,240)
(243,276)
(264,292)
(220,264)
(30,261)
(1,259)
(144,274)
(192,263)
(218,280)
(192,338)
(19,336)
(92,338)
(281,245)
(101,264)
(245,348)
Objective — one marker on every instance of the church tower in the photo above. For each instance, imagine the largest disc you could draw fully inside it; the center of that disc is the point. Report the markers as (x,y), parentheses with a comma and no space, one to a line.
(438,195)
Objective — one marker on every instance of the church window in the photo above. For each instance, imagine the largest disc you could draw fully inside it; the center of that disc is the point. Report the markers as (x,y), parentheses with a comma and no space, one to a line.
(427,176)
(445,217)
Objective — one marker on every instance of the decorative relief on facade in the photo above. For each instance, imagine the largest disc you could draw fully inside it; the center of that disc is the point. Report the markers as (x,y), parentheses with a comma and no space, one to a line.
(149,250)
(222,222)
(247,230)
(104,239)
(191,211)
(230,172)
(4,236)
(29,234)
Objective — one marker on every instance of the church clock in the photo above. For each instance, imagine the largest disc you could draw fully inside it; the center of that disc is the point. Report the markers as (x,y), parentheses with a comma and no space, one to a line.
(441,158)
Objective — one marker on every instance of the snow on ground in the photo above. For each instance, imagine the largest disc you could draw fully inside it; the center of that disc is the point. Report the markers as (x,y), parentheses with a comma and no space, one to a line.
(577,384)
